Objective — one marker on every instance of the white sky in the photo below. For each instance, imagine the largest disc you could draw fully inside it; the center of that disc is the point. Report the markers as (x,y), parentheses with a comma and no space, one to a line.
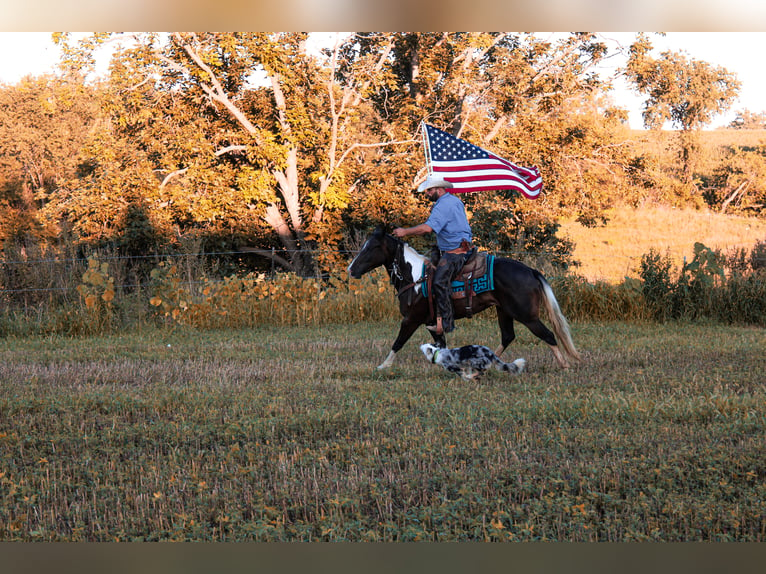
(23,53)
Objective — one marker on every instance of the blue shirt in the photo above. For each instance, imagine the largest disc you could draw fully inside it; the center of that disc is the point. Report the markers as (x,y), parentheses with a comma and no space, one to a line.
(449,222)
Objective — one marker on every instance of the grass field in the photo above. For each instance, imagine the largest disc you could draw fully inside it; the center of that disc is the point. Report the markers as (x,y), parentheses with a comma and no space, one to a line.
(612,252)
(291,434)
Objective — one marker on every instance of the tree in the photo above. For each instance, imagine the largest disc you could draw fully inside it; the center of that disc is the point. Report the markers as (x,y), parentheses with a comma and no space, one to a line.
(251,140)
(534,101)
(747,120)
(239,123)
(44,122)
(687,93)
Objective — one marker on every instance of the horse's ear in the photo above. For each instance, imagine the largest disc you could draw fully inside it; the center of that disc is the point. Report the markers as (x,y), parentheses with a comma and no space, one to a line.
(380,230)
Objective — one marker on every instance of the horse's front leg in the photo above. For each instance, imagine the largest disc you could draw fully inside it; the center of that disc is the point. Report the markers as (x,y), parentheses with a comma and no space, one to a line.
(439,339)
(406,329)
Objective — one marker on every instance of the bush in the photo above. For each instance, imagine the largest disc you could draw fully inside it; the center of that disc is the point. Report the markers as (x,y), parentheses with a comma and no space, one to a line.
(711,286)
(529,238)
(728,288)
(654,271)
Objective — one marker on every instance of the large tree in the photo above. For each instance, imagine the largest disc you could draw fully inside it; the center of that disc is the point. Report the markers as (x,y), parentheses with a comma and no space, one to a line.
(687,93)
(530,99)
(236,126)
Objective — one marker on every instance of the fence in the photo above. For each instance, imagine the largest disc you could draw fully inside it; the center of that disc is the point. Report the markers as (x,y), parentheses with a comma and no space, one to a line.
(30,276)
(26,276)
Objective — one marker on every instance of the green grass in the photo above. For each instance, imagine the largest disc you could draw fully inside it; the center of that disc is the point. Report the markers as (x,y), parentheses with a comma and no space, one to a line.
(290,433)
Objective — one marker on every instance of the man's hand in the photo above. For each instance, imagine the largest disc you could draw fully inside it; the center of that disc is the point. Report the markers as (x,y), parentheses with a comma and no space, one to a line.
(399,232)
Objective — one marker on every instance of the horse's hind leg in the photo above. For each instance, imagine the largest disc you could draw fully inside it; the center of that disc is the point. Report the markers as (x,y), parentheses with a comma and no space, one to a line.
(546,335)
(507,332)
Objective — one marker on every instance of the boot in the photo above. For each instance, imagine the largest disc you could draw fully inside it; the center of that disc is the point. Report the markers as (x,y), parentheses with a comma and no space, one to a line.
(438,328)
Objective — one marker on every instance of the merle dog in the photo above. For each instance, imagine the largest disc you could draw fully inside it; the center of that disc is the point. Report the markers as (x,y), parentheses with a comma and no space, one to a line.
(470,361)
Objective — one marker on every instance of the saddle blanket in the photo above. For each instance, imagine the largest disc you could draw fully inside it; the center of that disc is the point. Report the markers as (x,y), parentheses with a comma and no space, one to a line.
(480,284)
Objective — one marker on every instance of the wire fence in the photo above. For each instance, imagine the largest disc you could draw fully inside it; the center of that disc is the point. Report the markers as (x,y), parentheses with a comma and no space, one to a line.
(72,266)
(9,269)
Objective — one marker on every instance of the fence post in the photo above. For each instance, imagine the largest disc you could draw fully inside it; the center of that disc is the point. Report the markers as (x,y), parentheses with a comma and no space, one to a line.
(273,254)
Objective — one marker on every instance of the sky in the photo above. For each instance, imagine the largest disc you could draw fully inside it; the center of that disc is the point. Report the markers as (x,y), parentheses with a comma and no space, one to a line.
(24,53)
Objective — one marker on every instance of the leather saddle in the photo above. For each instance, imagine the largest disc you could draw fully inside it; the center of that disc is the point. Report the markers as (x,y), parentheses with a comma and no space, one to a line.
(476,276)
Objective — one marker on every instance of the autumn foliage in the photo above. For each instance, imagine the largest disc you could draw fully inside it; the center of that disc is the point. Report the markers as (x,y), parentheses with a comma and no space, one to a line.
(279,158)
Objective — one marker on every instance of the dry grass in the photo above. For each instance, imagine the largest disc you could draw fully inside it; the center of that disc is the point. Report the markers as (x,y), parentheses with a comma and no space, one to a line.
(291,434)
(612,252)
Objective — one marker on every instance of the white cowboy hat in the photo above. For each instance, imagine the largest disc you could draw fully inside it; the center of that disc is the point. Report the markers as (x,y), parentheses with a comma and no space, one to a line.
(434,181)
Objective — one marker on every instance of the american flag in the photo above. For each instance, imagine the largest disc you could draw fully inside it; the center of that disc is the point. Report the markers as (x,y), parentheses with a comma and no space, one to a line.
(470,168)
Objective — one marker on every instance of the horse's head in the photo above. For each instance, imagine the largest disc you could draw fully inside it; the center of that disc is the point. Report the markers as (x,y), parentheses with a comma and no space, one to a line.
(375,252)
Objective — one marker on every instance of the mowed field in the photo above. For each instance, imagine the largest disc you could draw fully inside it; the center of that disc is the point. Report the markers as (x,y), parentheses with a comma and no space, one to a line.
(291,433)
(612,252)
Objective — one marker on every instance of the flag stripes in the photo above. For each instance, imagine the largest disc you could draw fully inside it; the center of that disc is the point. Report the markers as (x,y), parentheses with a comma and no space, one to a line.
(470,168)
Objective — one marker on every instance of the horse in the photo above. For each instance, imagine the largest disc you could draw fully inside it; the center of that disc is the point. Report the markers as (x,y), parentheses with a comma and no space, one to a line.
(518,294)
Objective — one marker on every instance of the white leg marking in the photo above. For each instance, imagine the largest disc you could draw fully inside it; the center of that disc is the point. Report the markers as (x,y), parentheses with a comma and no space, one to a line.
(389,360)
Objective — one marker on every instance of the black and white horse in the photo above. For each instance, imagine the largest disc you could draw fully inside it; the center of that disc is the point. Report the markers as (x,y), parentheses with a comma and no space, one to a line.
(519,291)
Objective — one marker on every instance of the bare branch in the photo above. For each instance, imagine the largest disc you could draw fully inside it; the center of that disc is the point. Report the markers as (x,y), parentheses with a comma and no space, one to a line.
(279,98)
(230,149)
(138,85)
(359,145)
(216,92)
(741,189)
(171,175)
(499,124)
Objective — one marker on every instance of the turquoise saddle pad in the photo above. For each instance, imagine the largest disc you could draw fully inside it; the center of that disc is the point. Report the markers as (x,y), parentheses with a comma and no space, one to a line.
(480,284)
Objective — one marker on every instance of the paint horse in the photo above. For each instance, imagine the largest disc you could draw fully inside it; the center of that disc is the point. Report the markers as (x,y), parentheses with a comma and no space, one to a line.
(517,291)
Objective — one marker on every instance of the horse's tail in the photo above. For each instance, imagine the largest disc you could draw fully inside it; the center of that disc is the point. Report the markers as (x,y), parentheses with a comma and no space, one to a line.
(559,322)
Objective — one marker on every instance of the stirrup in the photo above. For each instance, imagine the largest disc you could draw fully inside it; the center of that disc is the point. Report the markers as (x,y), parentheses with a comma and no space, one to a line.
(438,329)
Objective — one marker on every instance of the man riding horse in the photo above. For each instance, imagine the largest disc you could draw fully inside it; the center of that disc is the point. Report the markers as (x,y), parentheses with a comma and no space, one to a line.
(453,237)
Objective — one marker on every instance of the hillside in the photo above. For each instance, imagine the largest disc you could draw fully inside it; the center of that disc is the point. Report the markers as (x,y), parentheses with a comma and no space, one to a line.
(613,251)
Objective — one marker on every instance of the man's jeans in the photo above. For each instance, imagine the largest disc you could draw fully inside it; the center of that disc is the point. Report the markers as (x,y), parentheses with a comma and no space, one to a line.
(448,267)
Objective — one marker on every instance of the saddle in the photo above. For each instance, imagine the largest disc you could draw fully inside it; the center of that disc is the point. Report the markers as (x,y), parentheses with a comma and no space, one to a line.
(476,276)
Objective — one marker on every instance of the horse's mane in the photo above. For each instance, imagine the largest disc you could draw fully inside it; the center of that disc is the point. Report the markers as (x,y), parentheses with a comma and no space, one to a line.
(407,248)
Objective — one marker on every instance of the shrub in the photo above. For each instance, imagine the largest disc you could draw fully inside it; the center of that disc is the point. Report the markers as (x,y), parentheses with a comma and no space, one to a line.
(704,289)
(654,271)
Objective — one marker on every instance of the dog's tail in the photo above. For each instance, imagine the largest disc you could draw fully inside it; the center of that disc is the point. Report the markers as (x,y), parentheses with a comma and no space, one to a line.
(515,367)
(558,321)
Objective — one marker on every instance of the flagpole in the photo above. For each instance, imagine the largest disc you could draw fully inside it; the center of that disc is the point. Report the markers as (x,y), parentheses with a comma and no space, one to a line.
(426,148)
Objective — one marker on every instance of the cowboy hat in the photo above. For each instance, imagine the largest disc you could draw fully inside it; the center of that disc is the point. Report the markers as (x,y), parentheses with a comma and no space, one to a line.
(434,181)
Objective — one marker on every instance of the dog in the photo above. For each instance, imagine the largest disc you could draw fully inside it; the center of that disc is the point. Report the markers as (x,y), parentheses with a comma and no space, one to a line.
(470,361)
